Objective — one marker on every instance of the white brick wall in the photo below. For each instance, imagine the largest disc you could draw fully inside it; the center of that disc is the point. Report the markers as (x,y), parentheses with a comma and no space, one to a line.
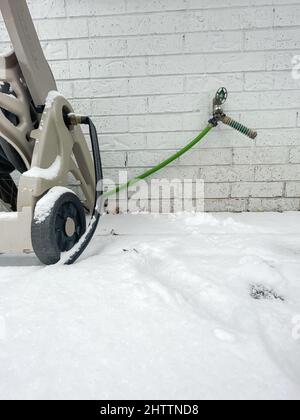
(146,70)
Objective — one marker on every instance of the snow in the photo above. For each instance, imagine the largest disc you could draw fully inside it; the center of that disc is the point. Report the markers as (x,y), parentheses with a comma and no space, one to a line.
(52,95)
(68,256)
(46,204)
(49,174)
(159,307)
(8,216)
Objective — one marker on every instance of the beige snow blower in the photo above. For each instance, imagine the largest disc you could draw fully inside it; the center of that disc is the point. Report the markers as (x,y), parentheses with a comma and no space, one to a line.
(40,138)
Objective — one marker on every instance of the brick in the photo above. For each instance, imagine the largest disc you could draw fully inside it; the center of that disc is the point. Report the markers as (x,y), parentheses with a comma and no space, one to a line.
(46,9)
(208,4)
(278,137)
(55,50)
(79,69)
(273,204)
(170,173)
(213,42)
(292,189)
(60,69)
(295,155)
(111,124)
(93,48)
(227,173)
(149,123)
(100,88)
(277,173)
(287,16)
(215,139)
(267,119)
(156,5)
(154,45)
(236,18)
(168,140)
(176,65)
(94,7)
(272,39)
(177,103)
(210,82)
(217,190)
(156,85)
(195,121)
(257,189)
(182,22)
(59,29)
(213,63)
(280,60)
(271,81)
(66,88)
(260,155)
(207,157)
(113,159)
(82,107)
(118,106)
(123,67)
(231,205)
(195,157)
(264,101)
(111,142)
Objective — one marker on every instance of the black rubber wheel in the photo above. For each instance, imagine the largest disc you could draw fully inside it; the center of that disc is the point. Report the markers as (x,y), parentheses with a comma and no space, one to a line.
(60,231)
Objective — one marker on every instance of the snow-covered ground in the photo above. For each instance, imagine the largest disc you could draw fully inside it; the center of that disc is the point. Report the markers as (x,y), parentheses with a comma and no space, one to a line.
(159,307)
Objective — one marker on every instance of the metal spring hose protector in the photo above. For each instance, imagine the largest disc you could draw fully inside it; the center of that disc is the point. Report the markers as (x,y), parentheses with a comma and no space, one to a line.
(239,127)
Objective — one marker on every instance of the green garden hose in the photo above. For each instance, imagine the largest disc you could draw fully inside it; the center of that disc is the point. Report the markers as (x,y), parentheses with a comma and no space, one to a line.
(218,115)
(72,119)
(160,165)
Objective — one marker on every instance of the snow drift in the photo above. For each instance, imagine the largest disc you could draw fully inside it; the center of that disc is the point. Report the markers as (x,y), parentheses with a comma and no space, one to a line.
(160,307)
